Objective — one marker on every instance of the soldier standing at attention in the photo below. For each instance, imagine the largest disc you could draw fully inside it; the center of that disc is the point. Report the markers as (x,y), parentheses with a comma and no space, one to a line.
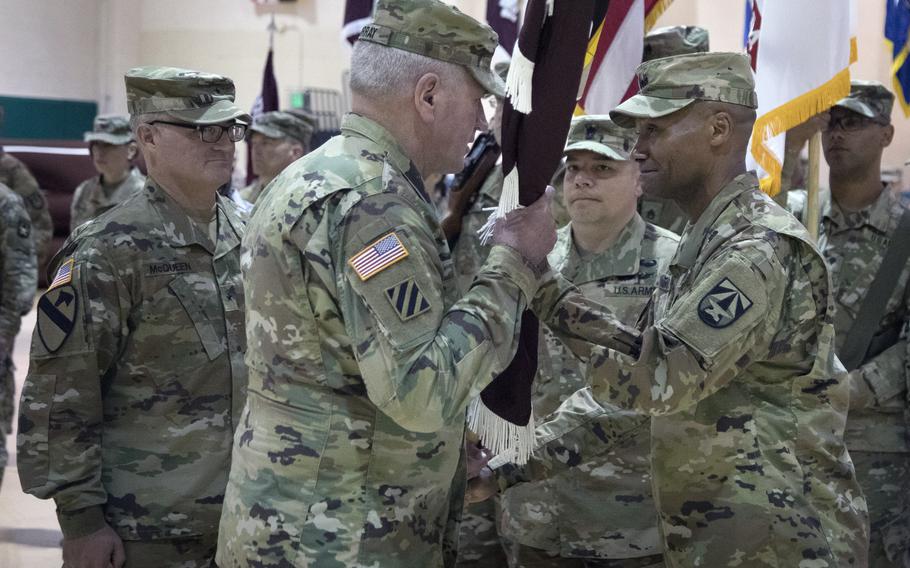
(590,504)
(278,139)
(137,378)
(362,354)
(112,148)
(18,280)
(665,42)
(15,175)
(863,223)
(734,358)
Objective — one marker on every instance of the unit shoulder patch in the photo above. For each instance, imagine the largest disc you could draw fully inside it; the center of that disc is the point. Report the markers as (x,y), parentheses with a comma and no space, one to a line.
(407,299)
(381,254)
(723,305)
(57,311)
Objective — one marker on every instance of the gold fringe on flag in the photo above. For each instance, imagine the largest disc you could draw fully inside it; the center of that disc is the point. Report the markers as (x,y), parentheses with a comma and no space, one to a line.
(656,11)
(788,115)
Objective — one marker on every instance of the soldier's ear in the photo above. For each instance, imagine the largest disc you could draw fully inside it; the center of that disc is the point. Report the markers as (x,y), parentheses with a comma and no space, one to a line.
(145,135)
(721,124)
(887,135)
(425,93)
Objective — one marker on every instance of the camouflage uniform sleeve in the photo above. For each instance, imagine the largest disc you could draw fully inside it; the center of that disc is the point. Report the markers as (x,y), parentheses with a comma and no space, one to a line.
(20,269)
(82,325)
(883,377)
(569,314)
(78,205)
(580,429)
(422,360)
(25,184)
(686,355)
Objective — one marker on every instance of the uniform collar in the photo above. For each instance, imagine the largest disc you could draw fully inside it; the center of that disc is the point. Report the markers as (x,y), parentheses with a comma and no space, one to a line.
(621,259)
(877,215)
(357,125)
(179,230)
(694,236)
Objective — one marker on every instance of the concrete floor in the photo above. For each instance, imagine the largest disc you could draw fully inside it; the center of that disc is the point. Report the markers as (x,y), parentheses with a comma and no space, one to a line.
(29,534)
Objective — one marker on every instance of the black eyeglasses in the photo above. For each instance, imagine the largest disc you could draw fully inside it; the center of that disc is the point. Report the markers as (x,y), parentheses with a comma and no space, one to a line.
(850,123)
(212,133)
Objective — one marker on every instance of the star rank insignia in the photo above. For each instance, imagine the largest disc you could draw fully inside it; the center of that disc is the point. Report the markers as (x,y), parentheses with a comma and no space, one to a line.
(407,299)
(723,305)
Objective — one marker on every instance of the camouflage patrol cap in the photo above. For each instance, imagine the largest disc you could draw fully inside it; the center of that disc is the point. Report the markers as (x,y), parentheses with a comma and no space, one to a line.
(438,31)
(599,134)
(672,83)
(279,124)
(194,97)
(675,40)
(870,99)
(110,129)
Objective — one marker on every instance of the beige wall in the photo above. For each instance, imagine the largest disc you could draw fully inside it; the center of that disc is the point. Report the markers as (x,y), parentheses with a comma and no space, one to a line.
(81,48)
(49,48)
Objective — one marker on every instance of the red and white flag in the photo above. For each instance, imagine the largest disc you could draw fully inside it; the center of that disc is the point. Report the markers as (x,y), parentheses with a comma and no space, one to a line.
(615,52)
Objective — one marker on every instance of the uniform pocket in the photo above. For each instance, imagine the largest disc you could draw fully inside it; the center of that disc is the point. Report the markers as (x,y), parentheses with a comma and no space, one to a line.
(34,424)
(196,295)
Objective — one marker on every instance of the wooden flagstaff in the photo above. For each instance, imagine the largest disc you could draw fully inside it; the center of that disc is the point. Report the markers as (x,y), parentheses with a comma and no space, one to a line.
(815,151)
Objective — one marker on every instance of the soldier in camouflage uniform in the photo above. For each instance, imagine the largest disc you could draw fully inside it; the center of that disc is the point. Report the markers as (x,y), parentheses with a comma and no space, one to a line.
(589,503)
(362,357)
(859,218)
(734,357)
(18,280)
(137,377)
(112,148)
(15,175)
(278,139)
(664,42)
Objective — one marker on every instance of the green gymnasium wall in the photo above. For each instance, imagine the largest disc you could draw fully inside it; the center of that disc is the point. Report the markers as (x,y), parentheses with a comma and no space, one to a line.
(46,119)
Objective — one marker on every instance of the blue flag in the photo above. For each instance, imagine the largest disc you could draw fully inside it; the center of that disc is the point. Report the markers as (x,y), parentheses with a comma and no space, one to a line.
(897,26)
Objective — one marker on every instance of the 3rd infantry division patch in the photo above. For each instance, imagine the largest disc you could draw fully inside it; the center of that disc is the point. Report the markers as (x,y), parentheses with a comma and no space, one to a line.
(723,305)
(407,299)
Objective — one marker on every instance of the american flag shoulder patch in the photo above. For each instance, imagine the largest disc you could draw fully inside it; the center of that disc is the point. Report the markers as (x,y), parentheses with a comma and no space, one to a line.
(381,254)
(64,275)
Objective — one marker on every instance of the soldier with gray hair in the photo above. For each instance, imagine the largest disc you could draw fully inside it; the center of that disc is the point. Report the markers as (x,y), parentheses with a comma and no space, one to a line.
(363,355)
(137,378)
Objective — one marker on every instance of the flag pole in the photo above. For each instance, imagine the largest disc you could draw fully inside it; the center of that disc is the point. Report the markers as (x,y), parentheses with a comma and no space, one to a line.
(272,28)
(815,151)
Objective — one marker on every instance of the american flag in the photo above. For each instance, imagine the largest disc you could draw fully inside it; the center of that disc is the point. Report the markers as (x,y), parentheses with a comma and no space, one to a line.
(378,256)
(64,274)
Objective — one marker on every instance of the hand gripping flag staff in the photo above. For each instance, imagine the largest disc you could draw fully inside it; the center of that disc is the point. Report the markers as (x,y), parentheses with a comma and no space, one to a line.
(542,87)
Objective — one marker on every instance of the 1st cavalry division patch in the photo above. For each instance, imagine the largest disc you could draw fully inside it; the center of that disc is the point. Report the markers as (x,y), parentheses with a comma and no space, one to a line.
(380,255)
(57,311)
(723,305)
